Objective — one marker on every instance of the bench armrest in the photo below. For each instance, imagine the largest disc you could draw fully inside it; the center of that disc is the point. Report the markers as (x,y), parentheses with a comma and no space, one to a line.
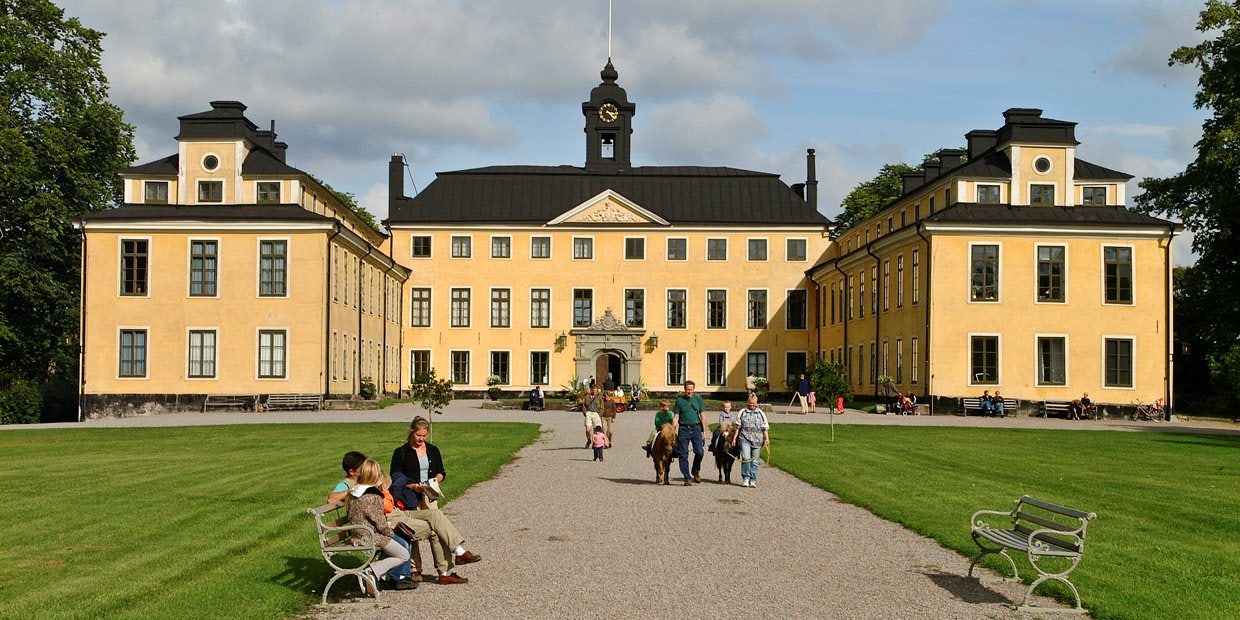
(978,523)
(1073,537)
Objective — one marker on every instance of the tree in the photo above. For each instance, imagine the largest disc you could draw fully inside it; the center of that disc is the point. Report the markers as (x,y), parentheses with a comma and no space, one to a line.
(432,393)
(349,200)
(62,147)
(1203,196)
(869,197)
(830,381)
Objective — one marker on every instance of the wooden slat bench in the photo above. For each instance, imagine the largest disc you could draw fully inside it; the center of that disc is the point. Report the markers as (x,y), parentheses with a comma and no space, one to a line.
(970,403)
(1057,408)
(335,534)
(1040,530)
(294,401)
(245,402)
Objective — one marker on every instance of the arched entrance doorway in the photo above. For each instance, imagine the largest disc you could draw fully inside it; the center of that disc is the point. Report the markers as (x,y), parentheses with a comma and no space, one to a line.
(607,346)
(609,364)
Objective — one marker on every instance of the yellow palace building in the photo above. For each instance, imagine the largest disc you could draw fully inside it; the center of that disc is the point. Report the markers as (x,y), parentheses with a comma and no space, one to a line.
(1011,267)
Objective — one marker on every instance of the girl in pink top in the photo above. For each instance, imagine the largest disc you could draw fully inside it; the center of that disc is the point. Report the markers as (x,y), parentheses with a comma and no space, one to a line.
(599,441)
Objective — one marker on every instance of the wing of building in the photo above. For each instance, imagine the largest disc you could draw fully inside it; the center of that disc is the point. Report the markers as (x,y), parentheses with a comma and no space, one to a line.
(228,272)
(538,275)
(1011,267)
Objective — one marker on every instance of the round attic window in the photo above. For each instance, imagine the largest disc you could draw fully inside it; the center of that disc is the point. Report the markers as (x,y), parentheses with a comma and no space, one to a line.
(210,162)
(1042,165)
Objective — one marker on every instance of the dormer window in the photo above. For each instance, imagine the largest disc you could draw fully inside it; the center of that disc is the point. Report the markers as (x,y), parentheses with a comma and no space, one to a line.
(268,192)
(1042,195)
(156,192)
(607,149)
(210,191)
(1094,196)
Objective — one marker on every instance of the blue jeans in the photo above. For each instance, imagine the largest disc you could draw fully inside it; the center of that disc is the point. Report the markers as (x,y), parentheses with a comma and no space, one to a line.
(684,436)
(749,460)
(402,569)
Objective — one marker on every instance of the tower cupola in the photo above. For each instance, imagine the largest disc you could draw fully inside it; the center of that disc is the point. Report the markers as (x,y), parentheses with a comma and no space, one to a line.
(609,124)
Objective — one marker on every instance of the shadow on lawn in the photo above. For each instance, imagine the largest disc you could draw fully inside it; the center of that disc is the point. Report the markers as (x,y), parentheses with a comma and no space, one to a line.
(305,575)
(965,588)
(1214,441)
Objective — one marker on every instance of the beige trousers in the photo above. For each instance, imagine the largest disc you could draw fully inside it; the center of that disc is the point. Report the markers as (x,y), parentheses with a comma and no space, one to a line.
(432,525)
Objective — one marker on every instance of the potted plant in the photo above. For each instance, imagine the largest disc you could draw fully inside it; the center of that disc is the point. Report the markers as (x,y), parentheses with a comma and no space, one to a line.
(493,383)
(761,387)
(368,390)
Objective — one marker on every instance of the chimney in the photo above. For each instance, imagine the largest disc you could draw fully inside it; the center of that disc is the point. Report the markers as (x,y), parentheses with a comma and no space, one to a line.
(811,179)
(799,190)
(930,170)
(396,179)
(950,158)
(980,141)
(279,149)
(912,180)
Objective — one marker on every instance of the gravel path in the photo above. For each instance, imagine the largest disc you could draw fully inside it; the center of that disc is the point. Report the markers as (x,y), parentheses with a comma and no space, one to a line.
(564,537)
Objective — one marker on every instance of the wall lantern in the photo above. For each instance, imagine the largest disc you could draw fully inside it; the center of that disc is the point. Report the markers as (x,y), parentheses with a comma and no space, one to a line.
(653,340)
(561,341)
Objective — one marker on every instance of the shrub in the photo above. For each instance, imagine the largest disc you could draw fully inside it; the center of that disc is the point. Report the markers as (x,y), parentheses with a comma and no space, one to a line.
(21,402)
(368,389)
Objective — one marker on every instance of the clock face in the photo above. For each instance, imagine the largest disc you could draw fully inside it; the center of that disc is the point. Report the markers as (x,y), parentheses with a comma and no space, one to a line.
(608,112)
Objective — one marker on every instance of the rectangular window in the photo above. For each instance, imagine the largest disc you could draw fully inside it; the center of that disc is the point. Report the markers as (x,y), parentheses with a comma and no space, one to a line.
(873,362)
(915,361)
(272,354)
(132,353)
(135,269)
(1117,263)
(716,309)
(796,249)
(1118,362)
(459,307)
(1051,273)
(420,308)
(203,266)
(540,247)
(677,305)
(916,276)
(1052,361)
(156,192)
(984,273)
(499,366)
(268,192)
(833,304)
(755,364)
(849,299)
(210,191)
(677,249)
(899,360)
(1040,194)
(900,281)
(860,364)
(797,309)
(757,249)
(501,307)
(861,294)
(886,367)
(988,194)
(540,367)
(460,367)
(583,307)
(272,268)
(716,368)
(634,307)
(540,307)
(419,364)
(501,247)
(886,285)
(757,310)
(201,354)
(420,246)
(795,363)
(984,353)
(675,368)
(874,289)
(583,248)
(634,248)
(462,247)
(716,249)
(1094,196)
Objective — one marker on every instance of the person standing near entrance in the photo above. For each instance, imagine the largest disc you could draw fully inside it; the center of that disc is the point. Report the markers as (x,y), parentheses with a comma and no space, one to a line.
(803,394)
(690,426)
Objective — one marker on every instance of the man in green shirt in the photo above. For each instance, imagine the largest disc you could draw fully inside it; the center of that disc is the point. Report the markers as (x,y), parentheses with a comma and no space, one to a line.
(691,426)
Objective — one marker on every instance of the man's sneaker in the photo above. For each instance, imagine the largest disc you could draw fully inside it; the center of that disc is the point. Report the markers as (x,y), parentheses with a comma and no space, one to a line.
(404,583)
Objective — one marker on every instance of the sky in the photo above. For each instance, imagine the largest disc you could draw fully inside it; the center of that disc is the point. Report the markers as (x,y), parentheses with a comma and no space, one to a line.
(748,84)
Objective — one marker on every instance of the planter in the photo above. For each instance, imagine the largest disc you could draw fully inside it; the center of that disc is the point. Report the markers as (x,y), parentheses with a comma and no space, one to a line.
(493,394)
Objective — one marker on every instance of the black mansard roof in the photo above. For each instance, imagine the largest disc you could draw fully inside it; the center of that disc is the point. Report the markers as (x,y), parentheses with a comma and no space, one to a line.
(969,213)
(214,213)
(258,163)
(537,194)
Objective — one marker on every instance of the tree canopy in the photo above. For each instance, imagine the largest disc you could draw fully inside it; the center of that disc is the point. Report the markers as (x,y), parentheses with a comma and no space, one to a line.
(350,201)
(1203,197)
(62,145)
(869,197)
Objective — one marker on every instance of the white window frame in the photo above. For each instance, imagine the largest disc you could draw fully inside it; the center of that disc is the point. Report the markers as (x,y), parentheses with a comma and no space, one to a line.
(288,352)
(452,246)
(215,361)
(766,312)
(550,247)
(1037,360)
(668,248)
(146,348)
(998,358)
(1102,274)
(492,240)
(1102,377)
(667,367)
(430,307)
(1066,272)
(787,258)
(968,290)
(470,315)
(626,249)
(150,262)
(767,244)
(550,304)
(587,238)
(706,368)
(529,360)
(288,267)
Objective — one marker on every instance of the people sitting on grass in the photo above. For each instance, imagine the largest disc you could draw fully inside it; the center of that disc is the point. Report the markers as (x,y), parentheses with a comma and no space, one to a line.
(365,507)
(415,464)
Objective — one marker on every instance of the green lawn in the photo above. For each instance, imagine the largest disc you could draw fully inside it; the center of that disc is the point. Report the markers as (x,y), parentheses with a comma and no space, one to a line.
(1165,543)
(191,522)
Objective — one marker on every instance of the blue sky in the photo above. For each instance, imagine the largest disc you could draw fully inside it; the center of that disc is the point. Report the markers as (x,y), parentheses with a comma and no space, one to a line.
(457,85)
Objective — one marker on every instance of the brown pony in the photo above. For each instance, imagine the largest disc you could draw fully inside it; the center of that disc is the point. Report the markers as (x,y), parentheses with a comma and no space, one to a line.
(661,451)
(724,452)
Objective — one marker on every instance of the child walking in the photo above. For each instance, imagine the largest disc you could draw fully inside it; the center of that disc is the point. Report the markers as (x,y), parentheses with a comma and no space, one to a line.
(813,401)
(599,440)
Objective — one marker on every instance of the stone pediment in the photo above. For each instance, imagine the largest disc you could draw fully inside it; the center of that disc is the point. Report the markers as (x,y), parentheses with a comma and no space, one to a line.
(609,207)
(608,323)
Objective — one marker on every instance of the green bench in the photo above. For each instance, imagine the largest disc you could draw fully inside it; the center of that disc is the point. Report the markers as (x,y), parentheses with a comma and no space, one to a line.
(335,533)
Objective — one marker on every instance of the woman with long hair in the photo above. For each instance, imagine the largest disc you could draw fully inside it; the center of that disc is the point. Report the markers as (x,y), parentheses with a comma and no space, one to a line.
(365,502)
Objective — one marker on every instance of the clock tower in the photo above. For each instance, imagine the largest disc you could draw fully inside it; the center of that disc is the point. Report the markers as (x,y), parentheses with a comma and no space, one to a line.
(609,125)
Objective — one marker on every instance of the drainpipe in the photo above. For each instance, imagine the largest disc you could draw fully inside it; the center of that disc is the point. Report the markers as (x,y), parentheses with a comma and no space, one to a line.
(1169,374)
(878,268)
(926,346)
(82,324)
(844,315)
(327,329)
